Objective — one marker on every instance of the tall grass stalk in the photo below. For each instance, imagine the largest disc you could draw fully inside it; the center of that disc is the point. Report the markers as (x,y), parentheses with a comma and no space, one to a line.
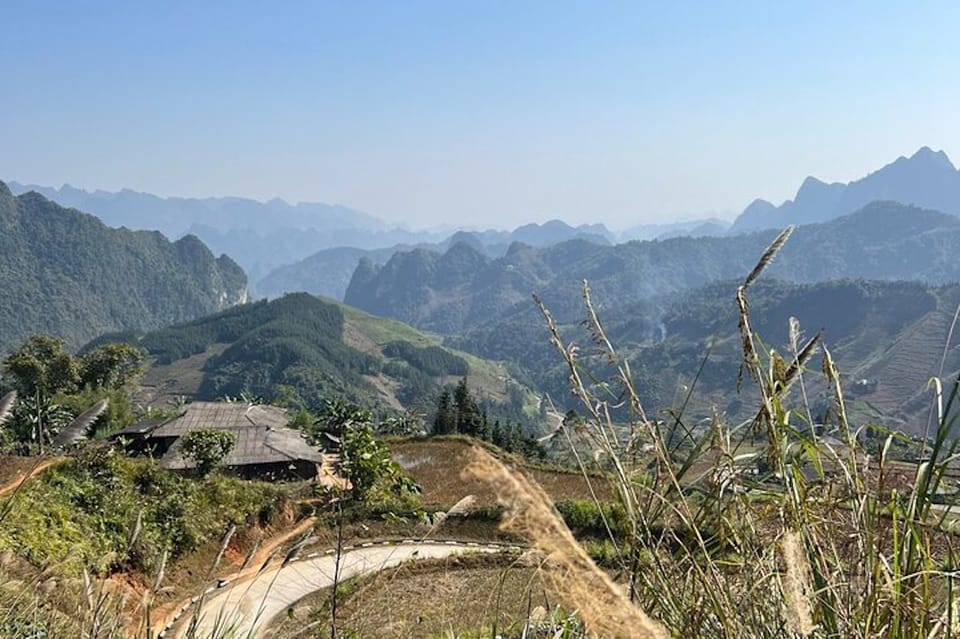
(811,537)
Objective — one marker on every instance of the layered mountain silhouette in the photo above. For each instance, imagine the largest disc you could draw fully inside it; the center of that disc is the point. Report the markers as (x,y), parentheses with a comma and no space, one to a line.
(927,179)
(175,216)
(328,272)
(258,235)
(463,288)
(264,236)
(66,273)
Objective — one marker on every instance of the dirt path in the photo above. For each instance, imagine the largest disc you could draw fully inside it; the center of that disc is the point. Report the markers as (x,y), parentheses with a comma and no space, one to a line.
(15,483)
(246,607)
(167,614)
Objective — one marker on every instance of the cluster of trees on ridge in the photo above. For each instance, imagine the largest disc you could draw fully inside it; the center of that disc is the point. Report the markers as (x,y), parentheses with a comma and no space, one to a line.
(459,413)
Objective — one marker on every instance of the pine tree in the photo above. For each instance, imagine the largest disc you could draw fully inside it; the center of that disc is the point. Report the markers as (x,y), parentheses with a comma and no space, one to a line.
(469,419)
(496,435)
(445,421)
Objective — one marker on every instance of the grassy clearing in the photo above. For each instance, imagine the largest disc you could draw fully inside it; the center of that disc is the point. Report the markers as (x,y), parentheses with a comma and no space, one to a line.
(490,379)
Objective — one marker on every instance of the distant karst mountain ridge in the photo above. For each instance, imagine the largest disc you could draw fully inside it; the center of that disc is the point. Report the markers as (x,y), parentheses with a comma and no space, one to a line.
(927,179)
(463,289)
(327,272)
(66,273)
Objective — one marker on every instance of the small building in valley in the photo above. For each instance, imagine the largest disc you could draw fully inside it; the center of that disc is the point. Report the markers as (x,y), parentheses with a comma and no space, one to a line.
(265,446)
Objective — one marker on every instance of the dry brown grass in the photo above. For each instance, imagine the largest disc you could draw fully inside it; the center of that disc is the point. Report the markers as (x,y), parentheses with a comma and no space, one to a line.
(442,597)
(602,604)
(436,465)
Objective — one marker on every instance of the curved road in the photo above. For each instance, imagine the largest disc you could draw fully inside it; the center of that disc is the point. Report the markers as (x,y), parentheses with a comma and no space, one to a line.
(247,606)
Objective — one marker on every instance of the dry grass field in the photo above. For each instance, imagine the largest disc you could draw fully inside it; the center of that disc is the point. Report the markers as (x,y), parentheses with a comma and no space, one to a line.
(454,597)
(437,463)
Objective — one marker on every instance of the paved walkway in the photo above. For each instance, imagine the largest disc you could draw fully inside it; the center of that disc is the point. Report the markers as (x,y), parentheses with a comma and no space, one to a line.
(244,609)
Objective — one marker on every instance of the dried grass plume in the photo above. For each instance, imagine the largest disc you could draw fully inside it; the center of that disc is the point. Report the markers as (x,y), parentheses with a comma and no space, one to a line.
(605,609)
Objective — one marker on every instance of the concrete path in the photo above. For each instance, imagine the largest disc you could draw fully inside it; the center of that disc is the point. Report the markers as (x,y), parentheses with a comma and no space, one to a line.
(244,609)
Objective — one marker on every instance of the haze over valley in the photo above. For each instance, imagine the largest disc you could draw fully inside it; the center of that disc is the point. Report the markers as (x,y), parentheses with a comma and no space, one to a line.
(458,320)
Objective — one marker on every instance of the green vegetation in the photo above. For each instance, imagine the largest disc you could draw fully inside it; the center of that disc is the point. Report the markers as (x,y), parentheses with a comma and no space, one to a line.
(55,387)
(817,538)
(434,361)
(458,413)
(65,273)
(463,290)
(364,460)
(890,334)
(299,350)
(207,448)
(106,512)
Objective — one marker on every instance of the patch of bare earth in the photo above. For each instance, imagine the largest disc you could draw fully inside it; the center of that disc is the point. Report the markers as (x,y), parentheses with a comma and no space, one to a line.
(15,467)
(164,383)
(356,338)
(386,389)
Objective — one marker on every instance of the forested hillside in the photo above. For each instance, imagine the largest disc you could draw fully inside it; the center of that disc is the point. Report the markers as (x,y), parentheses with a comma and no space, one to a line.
(302,349)
(888,339)
(462,289)
(65,273)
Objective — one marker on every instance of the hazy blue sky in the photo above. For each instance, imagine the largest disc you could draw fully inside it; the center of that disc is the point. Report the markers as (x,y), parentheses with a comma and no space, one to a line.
(475,112)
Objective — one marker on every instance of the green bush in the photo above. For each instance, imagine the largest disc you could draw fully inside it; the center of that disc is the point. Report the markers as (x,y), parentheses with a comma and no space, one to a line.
(207,448)
(585,517)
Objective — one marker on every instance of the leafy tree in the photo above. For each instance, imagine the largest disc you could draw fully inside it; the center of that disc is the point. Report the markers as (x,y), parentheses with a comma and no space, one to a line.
(334,419)
(366,462)
(55,386)
(110,365)
(42,364)
(38,418)
(207,448)
(405,424)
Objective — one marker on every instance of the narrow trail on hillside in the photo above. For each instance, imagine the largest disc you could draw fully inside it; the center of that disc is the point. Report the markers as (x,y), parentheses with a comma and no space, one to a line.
(246,607)
(169,612)
(15,483)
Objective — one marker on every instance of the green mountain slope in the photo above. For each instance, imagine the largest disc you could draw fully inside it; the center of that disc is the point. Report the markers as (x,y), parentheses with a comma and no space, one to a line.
(887,337)
(64,272)
(304,348)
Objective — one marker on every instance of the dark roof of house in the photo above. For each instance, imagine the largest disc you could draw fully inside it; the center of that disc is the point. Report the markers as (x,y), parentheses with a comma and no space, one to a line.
(262,435)
(222,416)
(140,429)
